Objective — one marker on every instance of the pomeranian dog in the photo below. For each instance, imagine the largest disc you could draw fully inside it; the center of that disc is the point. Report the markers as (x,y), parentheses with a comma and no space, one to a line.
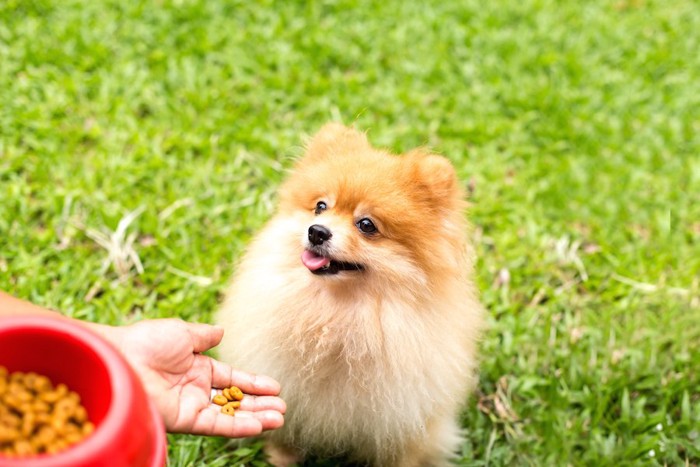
(358,298)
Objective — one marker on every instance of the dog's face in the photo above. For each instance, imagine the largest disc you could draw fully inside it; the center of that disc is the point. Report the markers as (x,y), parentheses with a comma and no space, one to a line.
(365,212)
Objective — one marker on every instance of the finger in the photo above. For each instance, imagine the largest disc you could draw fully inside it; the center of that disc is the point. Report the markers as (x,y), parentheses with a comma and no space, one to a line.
(257,403)
(269,419)
(211,422)
(259,385)
(204,336)
(263,403)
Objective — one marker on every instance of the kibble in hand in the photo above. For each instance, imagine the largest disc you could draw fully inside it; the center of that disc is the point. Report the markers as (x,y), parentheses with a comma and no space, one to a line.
(235,394)
(229,400)
(219,399)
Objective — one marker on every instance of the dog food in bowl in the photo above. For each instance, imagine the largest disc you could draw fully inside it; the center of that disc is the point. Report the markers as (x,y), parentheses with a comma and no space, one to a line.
(128,430)
(38,418)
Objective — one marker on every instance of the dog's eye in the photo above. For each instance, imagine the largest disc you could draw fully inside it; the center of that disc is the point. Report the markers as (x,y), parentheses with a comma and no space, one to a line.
(366,226)
(320,207)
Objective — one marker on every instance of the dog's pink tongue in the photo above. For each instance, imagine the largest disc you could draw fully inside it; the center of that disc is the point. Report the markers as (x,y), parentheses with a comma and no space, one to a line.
(313,261)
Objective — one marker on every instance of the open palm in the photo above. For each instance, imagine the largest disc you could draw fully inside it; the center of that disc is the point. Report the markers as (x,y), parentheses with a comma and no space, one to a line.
(167,356)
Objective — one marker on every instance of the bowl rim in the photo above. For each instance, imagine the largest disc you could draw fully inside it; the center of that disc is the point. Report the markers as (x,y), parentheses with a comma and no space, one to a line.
(120,374)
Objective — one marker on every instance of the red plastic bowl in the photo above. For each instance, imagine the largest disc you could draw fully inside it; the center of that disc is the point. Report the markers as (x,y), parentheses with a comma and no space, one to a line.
(128,429)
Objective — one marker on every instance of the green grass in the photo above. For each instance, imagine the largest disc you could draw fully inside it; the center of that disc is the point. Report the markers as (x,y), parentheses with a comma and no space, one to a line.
(575,124)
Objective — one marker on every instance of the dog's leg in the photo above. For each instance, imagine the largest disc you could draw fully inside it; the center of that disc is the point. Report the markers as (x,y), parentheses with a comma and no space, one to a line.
(282,456)
(436,448)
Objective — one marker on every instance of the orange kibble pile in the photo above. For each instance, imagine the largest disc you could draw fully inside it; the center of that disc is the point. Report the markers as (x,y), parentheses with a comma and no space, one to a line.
(229,399)
(38,418)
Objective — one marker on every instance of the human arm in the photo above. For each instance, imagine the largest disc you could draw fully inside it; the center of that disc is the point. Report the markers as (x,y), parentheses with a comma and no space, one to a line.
(167,356)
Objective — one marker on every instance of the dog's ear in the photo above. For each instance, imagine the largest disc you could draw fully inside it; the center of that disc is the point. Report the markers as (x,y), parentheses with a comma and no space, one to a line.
(434,177)
(335,139)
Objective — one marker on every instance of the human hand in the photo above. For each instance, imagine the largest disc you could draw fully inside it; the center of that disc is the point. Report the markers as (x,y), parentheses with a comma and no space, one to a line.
(166,355)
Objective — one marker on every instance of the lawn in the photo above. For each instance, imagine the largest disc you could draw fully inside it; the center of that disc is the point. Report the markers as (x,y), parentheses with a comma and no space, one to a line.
(159,131)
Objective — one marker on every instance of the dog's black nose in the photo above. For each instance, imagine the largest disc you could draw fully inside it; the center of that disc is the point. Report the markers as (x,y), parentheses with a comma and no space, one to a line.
(319,234)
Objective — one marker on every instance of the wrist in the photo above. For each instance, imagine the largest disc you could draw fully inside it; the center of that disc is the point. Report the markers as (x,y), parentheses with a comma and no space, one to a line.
(111,334)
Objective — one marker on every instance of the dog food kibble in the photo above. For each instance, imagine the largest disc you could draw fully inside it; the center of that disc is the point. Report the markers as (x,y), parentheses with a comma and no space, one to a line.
(235,394)
(36,418)
(219,399)
(229,400)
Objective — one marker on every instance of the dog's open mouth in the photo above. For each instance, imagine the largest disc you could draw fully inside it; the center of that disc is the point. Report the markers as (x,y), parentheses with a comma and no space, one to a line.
(322,265)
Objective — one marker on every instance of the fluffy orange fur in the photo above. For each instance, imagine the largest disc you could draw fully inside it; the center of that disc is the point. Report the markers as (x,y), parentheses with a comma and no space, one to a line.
(375,364)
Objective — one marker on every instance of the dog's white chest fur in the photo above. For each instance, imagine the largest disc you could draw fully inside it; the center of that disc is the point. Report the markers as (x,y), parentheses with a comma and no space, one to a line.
(361,373)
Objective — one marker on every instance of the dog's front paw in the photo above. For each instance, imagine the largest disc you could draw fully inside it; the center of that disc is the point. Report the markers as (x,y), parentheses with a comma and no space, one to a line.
(282,456)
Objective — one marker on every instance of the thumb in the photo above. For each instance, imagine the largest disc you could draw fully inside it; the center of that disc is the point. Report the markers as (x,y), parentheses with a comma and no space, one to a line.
(204,336)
